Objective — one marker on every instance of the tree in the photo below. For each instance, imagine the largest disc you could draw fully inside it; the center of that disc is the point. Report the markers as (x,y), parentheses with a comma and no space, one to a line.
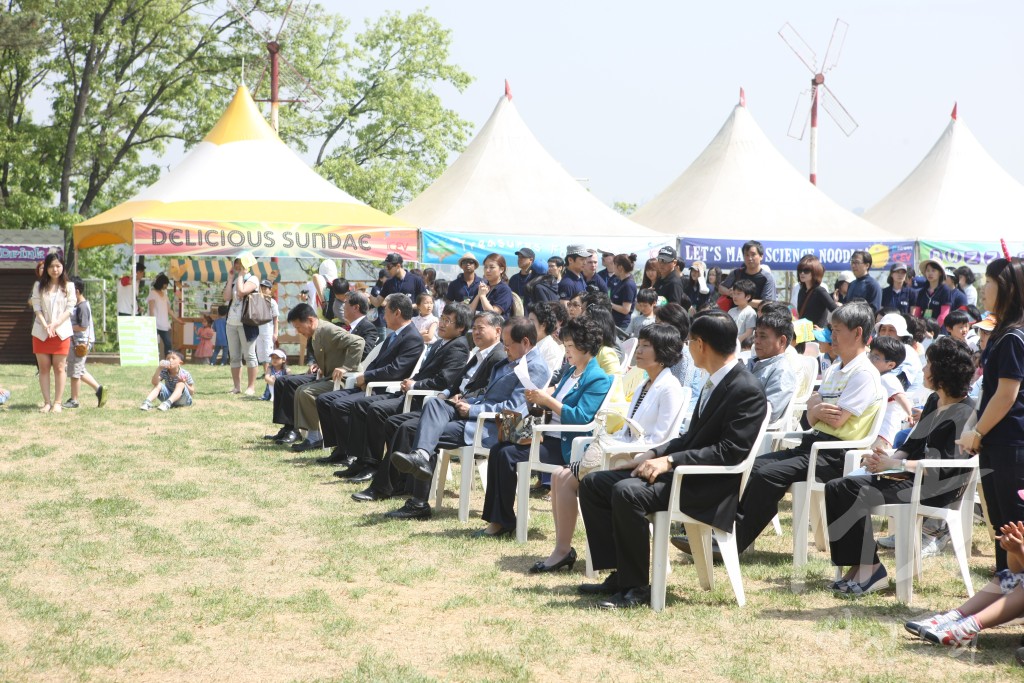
(625,208)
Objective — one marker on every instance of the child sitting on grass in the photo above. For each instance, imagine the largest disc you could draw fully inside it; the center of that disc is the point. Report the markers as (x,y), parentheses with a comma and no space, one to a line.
(173,385)
(278,368)
(1000,601)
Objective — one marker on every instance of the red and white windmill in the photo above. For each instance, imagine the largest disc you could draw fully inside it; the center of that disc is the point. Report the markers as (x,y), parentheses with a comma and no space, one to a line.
(807,103)
(299,86)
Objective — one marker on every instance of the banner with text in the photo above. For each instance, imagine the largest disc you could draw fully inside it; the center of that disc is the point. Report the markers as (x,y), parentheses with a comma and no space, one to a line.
(296,240)
(834,256)
(447,248)
(976,255)
(26,252)
(137,341)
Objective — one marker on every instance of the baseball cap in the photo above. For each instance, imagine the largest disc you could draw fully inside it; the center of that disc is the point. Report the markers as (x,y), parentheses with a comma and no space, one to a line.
(898,266)
(393,259)
(897,321)
(577,250)
(988,323)
(823,336)
(266,283)
(279,353)
(846,276)
(468,257)
(666,254)
(526,252)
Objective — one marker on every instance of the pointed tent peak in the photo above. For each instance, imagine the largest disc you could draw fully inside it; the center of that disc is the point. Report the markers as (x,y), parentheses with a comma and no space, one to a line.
(743,97)
(508,91)
(241,121)
(954,112)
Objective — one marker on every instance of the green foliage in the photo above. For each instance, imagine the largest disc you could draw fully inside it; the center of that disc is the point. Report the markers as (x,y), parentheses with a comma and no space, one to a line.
(625,208)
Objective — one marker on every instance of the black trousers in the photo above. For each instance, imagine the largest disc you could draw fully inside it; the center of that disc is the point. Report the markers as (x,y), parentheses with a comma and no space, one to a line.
(1002,476)
(359,446)
(399,431)
(615,506)
(435,427)
(334,411)
(848,503)
(770,478)
(284,397)
(502,477)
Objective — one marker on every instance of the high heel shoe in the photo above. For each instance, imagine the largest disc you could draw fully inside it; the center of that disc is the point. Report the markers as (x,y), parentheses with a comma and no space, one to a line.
(567,561)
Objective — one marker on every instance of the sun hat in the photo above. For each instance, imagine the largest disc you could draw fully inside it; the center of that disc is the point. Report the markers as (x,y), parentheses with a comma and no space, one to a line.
(987,324)
(932,261)
(896,321)
(823,336)
(468,256)
(279,353)
(846,276)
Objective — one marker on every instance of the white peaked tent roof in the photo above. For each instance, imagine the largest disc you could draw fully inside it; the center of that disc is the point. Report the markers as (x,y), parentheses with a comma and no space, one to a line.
(957,192)
(505,182)
(741,187)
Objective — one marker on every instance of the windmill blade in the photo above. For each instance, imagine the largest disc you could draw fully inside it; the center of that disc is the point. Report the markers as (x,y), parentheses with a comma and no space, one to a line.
(284,19)
(799,47)
(299,87)
(254,17)
(835,46)
(837,111)
(801,116)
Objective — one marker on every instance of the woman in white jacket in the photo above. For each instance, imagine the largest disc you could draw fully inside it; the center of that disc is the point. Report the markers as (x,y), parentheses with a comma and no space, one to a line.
(53,300)
(654,407)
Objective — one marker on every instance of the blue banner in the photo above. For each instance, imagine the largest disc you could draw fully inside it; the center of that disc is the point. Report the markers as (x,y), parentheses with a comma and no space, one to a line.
(447,248)
(781,256)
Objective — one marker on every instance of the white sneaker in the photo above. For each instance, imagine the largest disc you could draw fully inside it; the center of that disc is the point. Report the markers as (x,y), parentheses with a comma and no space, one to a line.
(165,406)
(146,405)
(928,623)
(886,541)
(933,545)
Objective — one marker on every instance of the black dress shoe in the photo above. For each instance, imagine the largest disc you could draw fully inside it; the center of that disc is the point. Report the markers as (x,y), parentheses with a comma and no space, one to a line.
(291,436)
(368,496)
(414,463)
(634,597)
(280,434)
(413,509)
(610,586)
(683,543)
(350,471)
(365,475)
(503,531)
(307,445)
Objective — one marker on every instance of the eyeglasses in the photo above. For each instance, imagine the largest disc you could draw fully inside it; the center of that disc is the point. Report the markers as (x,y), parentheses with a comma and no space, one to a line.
(573,304)
(855,262)
(804,270)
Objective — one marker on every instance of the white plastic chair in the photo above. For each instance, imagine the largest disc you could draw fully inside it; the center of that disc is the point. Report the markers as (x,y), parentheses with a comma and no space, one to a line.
(533,464)
(611,450)
(790,419)
(699,533)
(809,495)
(470,458)
(907,520)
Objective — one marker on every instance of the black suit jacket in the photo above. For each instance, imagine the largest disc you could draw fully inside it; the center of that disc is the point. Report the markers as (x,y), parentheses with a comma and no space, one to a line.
(396,361)
(722,434)
(482,376)
(370,334)
(443,365)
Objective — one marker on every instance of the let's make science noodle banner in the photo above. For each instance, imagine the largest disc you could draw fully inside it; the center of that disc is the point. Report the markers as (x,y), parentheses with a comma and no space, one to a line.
(214,238)
(834,256)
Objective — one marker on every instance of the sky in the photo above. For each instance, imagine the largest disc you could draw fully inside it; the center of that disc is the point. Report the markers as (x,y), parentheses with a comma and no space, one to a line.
(625,95)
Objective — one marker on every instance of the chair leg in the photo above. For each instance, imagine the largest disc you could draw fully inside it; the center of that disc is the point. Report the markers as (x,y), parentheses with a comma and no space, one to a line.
(522,501)
(907,546)
(953,521)
(440,477)
(466,487)
(590,573)
(731,559)
(659,560)
(819,521)
(800,523)
(699,536)
(481,468)
(777,524)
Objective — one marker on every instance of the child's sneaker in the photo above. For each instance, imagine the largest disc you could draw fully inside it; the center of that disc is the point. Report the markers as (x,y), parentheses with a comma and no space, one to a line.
(71,403)
(960,633)
(146,405)
(933,545)
(886,541)
(165,406)
(935,621)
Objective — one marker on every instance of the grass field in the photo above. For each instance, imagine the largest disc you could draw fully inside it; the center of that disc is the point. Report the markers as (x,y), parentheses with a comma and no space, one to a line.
(179,547)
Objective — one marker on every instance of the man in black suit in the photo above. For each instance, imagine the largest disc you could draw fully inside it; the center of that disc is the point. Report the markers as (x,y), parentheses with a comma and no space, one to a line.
(354,312)
(394,362)
(615,503)
(441,367)
(399,429)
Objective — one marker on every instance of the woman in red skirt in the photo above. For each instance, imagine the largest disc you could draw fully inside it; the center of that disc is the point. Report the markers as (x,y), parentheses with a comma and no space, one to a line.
(53,300)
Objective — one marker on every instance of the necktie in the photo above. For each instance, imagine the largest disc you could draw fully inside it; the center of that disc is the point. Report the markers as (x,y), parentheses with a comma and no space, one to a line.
(387,342)
(705,394)
(346,327)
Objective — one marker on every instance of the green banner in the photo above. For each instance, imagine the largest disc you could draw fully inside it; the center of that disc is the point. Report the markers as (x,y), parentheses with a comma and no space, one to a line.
(136,337)
(975,255)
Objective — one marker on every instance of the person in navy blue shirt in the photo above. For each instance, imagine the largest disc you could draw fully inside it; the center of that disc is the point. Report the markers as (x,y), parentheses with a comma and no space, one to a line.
(400,281)
(528,270)
(607,273)
(590,275)
(622,289)
(463,288)
(957,297)
(572,282)
(864,286)
(493,295)
(934,300)
(899,294)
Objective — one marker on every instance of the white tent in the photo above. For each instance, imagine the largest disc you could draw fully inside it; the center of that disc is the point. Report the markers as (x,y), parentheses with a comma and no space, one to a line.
(506,185)
(957,192)
(741,187)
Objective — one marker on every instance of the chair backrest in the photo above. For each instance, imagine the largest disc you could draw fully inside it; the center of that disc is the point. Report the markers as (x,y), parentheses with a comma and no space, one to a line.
(807,372)
(633,378)
(755,449)
(628,349)
(371,356)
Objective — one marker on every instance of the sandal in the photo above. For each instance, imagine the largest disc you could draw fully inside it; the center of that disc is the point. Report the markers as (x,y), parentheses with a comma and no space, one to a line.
(56,408)
(45,408)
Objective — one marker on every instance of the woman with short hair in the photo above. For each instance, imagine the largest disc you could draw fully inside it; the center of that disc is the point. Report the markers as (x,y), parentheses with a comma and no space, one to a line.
(813,301)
